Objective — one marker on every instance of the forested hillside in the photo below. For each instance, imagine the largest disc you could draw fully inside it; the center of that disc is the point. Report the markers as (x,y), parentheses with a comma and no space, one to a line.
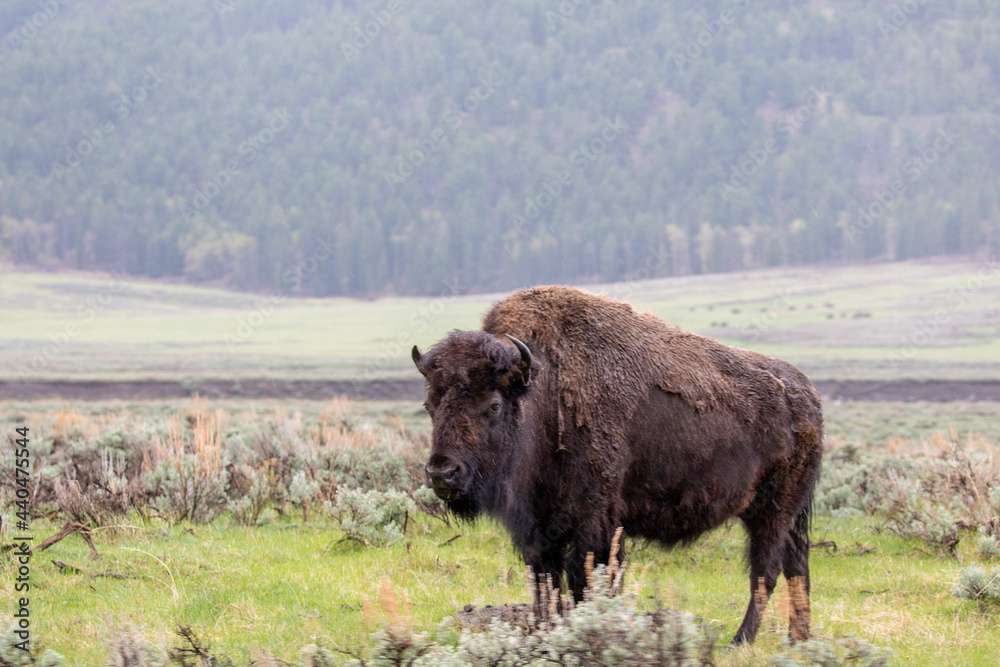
(418,146)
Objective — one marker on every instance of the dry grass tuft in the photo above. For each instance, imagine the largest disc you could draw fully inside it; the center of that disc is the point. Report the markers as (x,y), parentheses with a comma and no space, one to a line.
(205,444)
(395,608)
(616,571)
(338,411)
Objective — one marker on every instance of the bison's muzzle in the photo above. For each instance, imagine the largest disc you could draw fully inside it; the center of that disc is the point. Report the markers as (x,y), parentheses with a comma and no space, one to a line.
(446,477)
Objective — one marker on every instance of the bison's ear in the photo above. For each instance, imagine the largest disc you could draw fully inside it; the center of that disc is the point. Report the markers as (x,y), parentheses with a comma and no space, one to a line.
(521,371)
(416,356)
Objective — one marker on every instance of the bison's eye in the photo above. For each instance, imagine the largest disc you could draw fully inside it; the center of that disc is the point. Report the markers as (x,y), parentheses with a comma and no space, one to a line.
(495,407)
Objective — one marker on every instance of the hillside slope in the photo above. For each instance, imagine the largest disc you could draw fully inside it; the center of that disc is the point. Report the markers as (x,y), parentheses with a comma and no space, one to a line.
(258,144)
(918,319)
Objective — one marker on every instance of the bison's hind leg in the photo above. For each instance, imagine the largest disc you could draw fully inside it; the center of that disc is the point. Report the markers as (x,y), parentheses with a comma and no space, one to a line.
(765,546)
(795,565)
(777,543)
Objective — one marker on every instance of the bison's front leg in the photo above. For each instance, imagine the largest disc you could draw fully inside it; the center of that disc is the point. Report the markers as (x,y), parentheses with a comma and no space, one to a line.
(596,539)
(545,555)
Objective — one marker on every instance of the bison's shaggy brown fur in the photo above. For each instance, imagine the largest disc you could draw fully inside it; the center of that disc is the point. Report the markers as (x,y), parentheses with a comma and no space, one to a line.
(619,419)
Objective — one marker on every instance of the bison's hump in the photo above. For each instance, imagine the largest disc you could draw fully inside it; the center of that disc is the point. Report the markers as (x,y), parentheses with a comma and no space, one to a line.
(602,357)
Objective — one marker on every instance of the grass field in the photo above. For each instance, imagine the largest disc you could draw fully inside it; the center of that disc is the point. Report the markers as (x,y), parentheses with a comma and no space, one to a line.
(915,319)
(265,591)
(275,589)
(262,592)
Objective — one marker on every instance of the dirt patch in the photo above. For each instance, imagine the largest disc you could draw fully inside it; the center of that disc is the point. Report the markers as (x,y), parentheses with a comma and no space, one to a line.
(381,390)
(910,390)
(413,390)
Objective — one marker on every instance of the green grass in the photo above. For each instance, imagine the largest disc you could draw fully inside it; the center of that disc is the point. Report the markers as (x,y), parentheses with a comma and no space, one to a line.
(806,315)
(274,589)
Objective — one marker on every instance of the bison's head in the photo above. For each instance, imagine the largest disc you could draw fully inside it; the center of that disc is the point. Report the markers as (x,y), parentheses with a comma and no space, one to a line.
(475,382)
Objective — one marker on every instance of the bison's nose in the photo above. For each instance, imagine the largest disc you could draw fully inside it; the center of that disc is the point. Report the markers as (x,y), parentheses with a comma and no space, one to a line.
(444,477)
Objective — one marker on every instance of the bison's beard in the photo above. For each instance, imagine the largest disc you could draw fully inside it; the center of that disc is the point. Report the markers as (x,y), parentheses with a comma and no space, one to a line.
(480,494)
(464,506)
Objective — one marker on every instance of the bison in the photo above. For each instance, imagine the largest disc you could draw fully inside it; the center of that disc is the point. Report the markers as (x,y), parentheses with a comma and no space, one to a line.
(571,414)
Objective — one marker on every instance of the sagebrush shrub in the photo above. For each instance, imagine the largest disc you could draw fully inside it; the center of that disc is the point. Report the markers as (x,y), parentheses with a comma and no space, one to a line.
(428,502)
(373,518)
(129,648)
(12,656)
(854,481)
(97,461)
(186,489)
(255,496)
(196,463)
(995,498)
(925,496)
(987,545)
(189,480)
(368,469)
(278,443)
(95,507)
(842,651)
(601,630)
(91,478)
(303,492)
(910,514)
(974,583)
(317,656)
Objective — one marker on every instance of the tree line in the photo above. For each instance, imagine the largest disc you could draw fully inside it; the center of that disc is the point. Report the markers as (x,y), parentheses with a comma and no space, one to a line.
(414,145)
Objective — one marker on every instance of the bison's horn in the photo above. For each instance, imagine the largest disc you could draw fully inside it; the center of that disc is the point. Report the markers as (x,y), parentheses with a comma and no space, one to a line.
(523,368)
(416,356)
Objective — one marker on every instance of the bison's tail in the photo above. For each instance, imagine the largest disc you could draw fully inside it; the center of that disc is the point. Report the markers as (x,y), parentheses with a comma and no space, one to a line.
(809,464)
(803,521)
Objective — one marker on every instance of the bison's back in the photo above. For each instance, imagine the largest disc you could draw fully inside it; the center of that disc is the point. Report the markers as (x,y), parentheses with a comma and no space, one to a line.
(603,358)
